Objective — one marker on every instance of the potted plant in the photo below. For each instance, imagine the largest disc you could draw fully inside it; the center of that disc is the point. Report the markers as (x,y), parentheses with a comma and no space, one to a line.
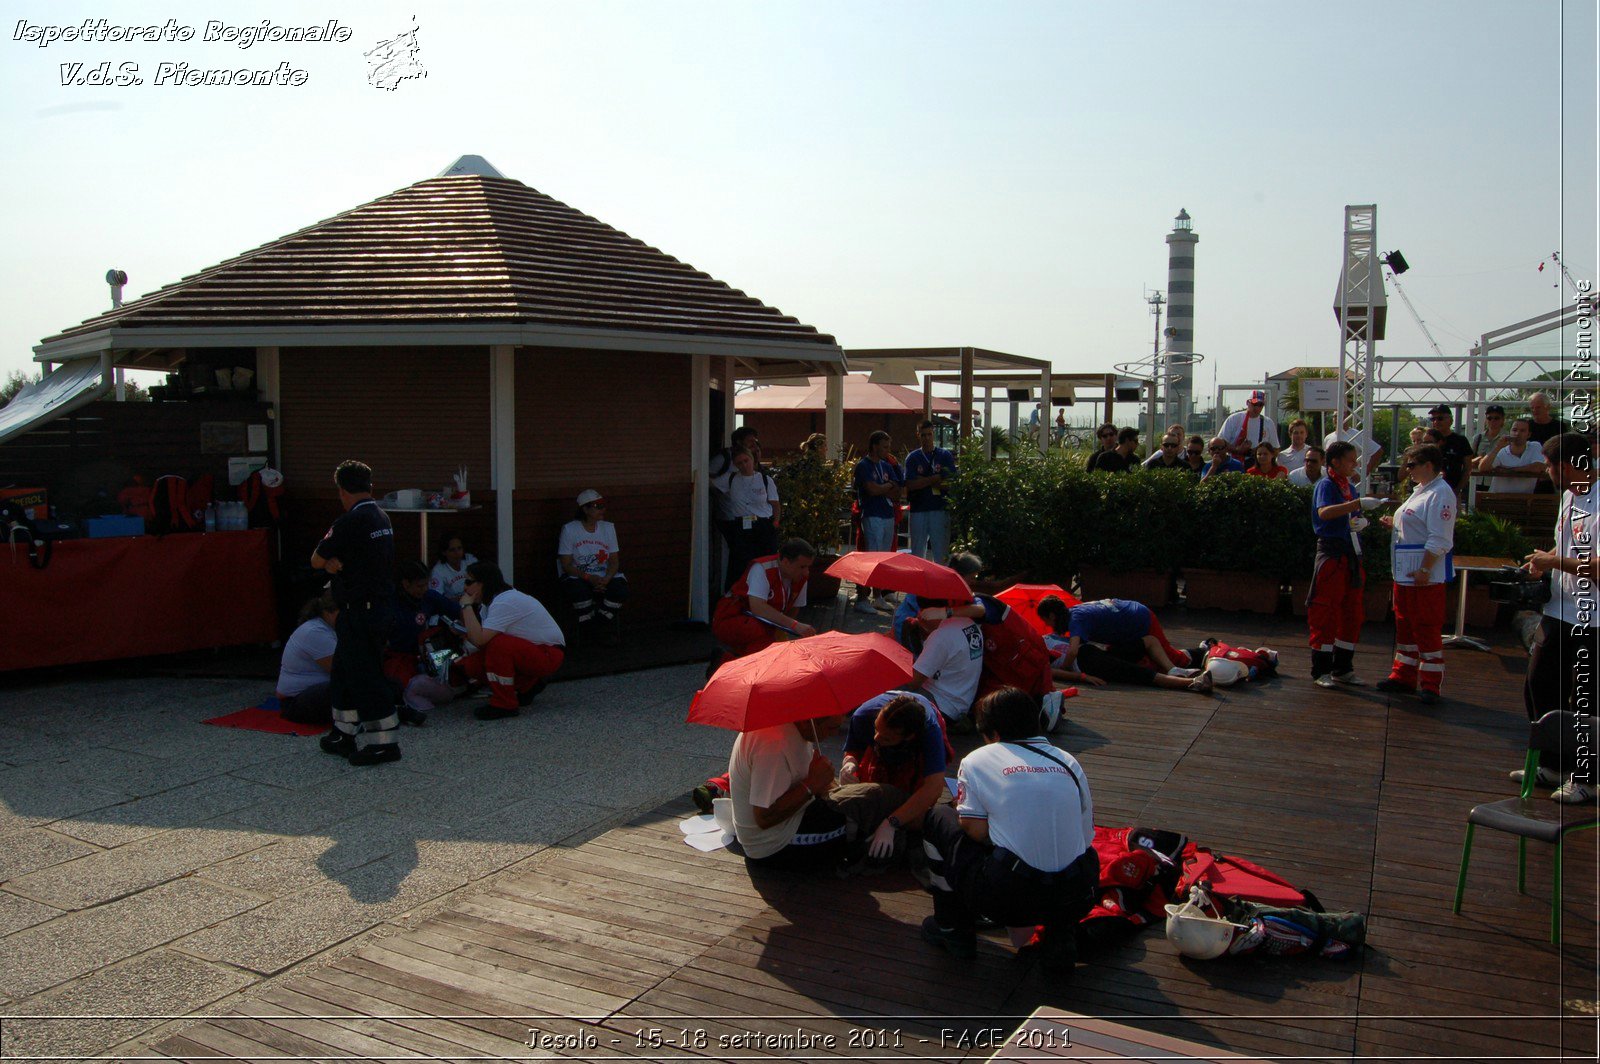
(1379,575)
(815,492)
(1486,535)
(1246,535)
(1137,528)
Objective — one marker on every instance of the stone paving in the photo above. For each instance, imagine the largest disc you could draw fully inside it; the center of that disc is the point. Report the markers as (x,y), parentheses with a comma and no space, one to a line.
(152,866)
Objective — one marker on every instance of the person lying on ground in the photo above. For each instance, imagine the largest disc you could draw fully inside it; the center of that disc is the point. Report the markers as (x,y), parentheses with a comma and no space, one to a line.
(1106,640)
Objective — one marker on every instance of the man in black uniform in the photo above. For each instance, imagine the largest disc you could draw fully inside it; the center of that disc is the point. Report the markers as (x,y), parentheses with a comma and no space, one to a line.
(1457,450)
(358,552)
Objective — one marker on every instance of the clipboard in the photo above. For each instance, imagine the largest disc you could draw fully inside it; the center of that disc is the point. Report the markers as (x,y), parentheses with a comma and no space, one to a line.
(1406,559)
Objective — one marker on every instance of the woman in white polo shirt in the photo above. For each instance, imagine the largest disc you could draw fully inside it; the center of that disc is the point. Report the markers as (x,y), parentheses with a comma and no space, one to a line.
(521,644)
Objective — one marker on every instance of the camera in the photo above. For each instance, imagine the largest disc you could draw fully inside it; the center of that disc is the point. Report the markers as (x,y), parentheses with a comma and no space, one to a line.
(1514,585)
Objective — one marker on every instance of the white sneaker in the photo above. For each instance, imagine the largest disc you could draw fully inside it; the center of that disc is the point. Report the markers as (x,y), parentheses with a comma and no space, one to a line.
(866,606)
(1573,793)
(1543,778)
(885,603)
(1327,682)
(1349,679)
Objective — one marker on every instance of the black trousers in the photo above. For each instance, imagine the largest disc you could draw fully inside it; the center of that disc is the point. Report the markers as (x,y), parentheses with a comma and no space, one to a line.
(1560,653)
(972,878)
(362,700)
(745,545)
(1116,664)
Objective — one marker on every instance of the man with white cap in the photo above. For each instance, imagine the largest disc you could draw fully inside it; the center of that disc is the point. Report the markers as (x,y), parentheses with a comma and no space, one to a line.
(588,563)
(1248,427)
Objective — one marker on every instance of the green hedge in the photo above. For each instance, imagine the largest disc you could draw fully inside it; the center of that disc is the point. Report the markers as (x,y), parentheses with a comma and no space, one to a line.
(1050,518)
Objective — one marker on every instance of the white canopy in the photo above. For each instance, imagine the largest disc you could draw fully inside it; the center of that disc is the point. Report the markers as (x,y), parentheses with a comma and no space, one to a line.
(73,384)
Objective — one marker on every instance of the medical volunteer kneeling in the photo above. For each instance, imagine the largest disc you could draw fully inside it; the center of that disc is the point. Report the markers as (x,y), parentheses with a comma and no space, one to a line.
(1017,846)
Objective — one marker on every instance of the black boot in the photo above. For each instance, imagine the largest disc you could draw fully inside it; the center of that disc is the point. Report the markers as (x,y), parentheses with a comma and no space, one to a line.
(1344,661)
(1321,663)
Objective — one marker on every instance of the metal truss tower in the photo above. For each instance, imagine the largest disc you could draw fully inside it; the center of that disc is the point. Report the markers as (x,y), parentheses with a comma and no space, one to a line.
(1362,309)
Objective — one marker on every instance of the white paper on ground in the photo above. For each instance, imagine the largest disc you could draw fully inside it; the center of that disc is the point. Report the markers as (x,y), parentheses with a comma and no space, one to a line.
(698,825)
(707,842)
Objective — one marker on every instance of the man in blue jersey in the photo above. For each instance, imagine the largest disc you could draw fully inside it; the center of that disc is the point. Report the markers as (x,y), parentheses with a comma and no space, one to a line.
(929,470)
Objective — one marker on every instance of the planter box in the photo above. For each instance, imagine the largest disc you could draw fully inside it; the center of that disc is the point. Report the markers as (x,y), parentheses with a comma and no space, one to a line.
(1149,587)
(1299,588)
(822,589)
(1219,589)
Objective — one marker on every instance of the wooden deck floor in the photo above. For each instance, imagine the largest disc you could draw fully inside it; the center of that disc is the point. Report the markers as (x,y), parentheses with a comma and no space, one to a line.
(1360,797)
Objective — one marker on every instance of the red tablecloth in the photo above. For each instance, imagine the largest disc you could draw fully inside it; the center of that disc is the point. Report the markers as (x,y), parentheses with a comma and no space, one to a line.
(100,599)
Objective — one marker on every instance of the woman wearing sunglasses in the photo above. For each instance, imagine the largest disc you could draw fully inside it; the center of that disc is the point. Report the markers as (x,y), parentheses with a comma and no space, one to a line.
(1424,533)
(587,563)
(521,646)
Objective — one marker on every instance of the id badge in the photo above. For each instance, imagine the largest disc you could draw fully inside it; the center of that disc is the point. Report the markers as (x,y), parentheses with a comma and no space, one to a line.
(747,522)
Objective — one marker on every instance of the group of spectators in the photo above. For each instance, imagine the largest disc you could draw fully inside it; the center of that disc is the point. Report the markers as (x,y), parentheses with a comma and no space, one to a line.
(1247,444)
(384,644)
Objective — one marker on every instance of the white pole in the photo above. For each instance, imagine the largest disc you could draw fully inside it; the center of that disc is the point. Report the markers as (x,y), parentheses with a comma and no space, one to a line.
(503,451)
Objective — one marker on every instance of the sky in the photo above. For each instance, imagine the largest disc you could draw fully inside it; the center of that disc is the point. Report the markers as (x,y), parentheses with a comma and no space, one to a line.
(998,174)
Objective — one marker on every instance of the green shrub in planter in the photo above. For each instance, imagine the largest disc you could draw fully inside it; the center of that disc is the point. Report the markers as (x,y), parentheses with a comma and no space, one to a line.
(1010,511)
(1490,536)
(816,501)
(1250,524)
(1140,520)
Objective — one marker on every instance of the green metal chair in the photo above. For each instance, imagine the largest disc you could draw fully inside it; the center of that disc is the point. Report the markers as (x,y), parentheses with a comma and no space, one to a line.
(1558,735)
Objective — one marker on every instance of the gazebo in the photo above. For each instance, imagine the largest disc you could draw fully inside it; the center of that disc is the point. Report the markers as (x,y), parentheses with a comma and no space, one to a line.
(470,320)
(785,415)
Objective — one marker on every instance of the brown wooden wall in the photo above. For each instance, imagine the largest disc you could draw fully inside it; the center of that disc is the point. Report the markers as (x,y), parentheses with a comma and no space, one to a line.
(414,415)
(102,445)
(618,423)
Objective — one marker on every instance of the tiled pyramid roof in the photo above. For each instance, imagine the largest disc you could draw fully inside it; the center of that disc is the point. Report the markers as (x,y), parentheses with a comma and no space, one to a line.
(459,250)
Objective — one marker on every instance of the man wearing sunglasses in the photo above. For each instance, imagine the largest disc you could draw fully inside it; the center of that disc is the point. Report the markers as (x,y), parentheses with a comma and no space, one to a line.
(1169,455)
(1456,447)
(1106,437)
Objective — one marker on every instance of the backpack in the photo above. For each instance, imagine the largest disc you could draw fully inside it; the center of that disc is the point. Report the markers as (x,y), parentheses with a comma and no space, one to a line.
(1014,655)
(169,506)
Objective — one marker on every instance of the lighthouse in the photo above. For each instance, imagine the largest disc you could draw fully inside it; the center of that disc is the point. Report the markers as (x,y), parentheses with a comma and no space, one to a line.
(1180,317)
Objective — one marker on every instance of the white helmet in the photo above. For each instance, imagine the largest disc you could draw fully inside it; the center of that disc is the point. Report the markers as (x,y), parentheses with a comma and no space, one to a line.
(1196,934)
(1225,672)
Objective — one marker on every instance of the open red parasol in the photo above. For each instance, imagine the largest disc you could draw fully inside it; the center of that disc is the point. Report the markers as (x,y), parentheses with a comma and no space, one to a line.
(887,571)
(1025,599)
(823,676)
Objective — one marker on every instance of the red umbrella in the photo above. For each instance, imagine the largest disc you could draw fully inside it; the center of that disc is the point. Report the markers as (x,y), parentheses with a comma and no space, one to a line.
(888,571)
(823,676)
(1025,598)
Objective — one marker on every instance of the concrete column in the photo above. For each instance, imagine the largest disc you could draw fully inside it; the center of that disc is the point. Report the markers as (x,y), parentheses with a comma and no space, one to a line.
(503,450)
(988,419)
(835,414)
(700,496)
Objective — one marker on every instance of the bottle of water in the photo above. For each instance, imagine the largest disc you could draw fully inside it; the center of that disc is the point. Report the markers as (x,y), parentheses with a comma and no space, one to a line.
(211,518)
(241,517)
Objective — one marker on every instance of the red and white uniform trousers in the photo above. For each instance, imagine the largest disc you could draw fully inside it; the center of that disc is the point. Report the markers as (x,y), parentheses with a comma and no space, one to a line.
(511,667)
(1335,609)
(1419,636)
